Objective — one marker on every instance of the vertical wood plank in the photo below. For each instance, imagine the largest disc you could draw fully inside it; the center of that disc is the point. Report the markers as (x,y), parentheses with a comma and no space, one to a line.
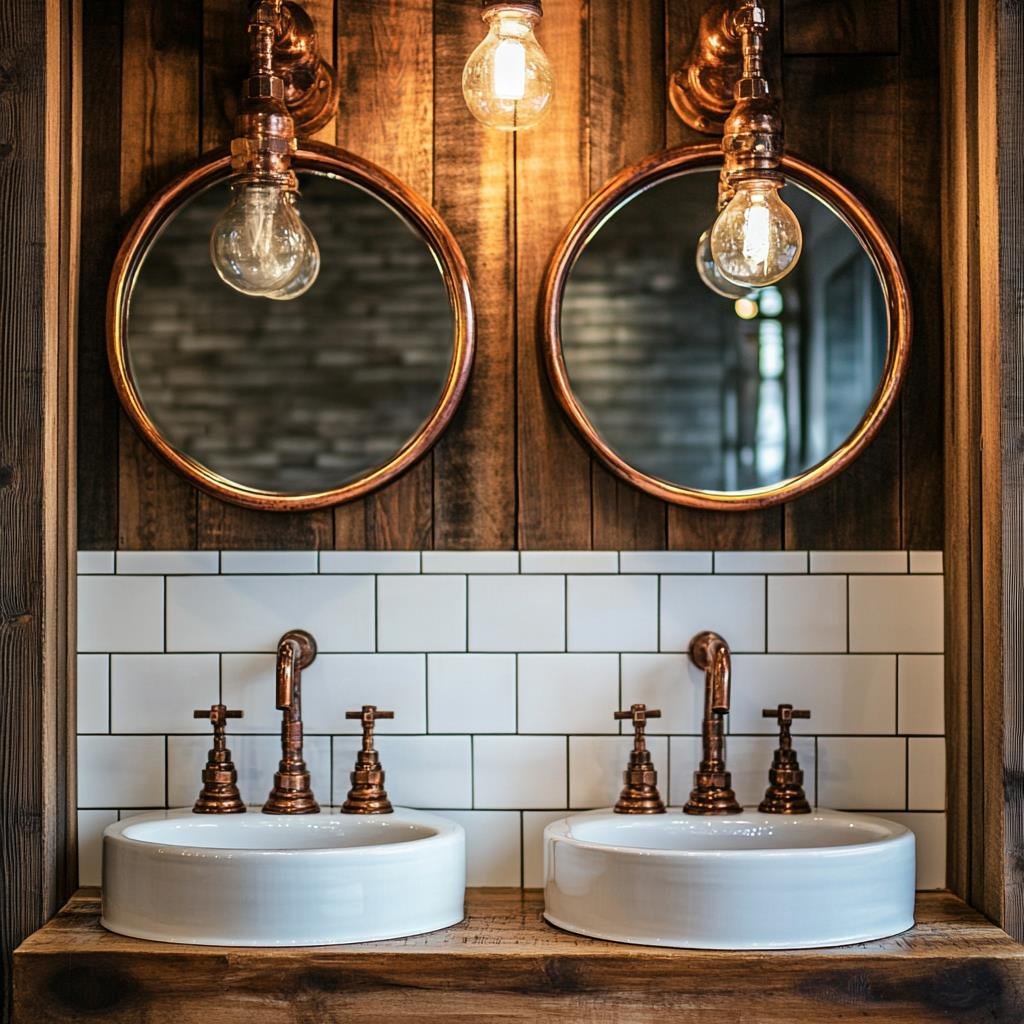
(842,113)
(160,136)
(40,174)
(474,191)
(627,102)
(225,50)
(552,181)
(694,529)
(385,61)
(841,26)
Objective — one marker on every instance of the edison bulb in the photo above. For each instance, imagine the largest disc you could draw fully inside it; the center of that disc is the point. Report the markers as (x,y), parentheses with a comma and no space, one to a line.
(304,277)
(756,240)
(260,243)
(508,81)
(708,271)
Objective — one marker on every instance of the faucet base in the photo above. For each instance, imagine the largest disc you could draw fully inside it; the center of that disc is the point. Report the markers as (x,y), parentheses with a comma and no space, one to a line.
(640,800)
(712,793)
(291,795)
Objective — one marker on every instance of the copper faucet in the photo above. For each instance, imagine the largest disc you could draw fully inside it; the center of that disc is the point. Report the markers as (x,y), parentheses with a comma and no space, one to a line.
(640,790)
(291,793)
(367,795)
(219,794)
(712,791)
(785,793)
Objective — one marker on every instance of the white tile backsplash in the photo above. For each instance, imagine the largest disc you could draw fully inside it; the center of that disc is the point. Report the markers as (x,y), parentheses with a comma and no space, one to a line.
(504,670)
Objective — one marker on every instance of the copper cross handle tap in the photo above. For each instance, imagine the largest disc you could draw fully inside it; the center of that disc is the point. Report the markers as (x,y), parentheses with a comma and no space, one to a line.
(640,793)
(712,791)
(785,792)
(219,794)
(367,795)
(292,794)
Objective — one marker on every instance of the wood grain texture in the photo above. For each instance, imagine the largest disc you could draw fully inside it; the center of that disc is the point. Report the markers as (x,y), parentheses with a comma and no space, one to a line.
(386,66)
(504,963)
(842,26)
(474,190)
(40,174)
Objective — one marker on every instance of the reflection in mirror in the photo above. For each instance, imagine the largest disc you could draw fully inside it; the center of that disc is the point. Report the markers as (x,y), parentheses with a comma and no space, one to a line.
(300,396)
(713,393)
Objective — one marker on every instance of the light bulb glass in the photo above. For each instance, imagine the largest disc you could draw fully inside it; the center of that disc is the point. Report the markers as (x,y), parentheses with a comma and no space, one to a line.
(259,242)
(508,81)
(709,273)
(756,239)
(304,277)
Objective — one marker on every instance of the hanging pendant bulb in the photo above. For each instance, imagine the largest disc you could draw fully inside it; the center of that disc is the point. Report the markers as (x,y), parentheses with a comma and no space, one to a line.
(756,239)
(712,277)
(508,81)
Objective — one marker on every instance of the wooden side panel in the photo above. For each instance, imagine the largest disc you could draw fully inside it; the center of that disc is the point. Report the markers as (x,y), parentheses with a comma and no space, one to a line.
(842,113)
(386,66)
(552,181)
(841,26)
(474,191)
(627,122)
(160,136)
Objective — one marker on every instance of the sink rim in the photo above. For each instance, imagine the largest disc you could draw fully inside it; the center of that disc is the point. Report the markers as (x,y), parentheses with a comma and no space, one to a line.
(445,831)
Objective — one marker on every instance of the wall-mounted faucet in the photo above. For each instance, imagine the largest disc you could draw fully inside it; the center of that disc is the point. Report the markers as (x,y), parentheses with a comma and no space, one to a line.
(712,791)
(292,793)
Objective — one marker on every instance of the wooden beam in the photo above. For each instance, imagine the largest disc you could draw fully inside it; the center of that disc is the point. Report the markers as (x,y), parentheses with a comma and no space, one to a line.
(39,175)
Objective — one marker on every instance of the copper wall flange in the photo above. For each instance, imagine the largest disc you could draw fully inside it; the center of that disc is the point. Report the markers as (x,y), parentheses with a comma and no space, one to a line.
(367,795)
(311,87)
(640,790)
(785,793)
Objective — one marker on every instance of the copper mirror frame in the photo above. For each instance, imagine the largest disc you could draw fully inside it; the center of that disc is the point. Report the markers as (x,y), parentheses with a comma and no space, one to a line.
(671,163)
(339,163)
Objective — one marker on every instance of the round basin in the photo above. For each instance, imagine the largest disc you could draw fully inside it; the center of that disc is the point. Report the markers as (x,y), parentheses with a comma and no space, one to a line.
(745,881)
(282,880)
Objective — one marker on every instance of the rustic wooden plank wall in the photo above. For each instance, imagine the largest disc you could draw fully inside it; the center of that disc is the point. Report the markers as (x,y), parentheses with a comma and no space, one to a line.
(860,82)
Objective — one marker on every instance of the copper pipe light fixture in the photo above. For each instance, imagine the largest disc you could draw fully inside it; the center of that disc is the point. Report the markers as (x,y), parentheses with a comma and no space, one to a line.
(756,239)
(508,81)
(260,244)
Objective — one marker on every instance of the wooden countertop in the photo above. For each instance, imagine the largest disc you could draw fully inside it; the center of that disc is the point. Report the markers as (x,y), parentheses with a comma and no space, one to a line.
(504,963)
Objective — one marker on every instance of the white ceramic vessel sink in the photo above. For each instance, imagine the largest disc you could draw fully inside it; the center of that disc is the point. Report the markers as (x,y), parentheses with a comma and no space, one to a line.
(745,881)
(282,880)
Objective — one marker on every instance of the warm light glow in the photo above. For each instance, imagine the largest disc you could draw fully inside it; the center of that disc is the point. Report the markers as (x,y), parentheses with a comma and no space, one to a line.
(709,273)
(510,70)
(746,309)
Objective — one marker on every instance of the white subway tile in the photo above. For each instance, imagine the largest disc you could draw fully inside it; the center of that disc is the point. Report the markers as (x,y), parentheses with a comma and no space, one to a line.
(120,613)
(596,764)
(930,832)
(158,692)
(921,694)
(685,755)
(534,823)
(760,561)
(613,613)
(264,562)
(670,683)
(471,692)
(862,772)
(250,613)
(568,692)
(844,693)
(471,561)
(858,561)
(730,605)
(421,613)
(421,771)
(516,613)
(167,563)
(90,844)
(248,685)
(926,774)
(492,846)
(124,770)
(750,757)
(372,562)
(93,684)
(926,561)
(95,562)
(665,561)
(338,683)
(806,613)
(519,771)
(256,759)
(569,561)
(902,614)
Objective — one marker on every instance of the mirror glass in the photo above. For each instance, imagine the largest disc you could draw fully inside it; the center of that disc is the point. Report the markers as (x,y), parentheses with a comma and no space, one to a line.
(712,393)
(300,396)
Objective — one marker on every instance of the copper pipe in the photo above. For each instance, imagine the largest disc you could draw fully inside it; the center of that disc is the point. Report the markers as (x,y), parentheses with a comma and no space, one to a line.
(712,791)
(292,793)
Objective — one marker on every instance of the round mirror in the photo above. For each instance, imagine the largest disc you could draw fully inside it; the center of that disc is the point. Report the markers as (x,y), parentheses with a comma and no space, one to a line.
(715,401)
(301,403)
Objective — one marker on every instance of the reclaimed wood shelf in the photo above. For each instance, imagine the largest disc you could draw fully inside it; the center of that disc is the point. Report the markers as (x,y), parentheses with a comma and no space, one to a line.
(504,963)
